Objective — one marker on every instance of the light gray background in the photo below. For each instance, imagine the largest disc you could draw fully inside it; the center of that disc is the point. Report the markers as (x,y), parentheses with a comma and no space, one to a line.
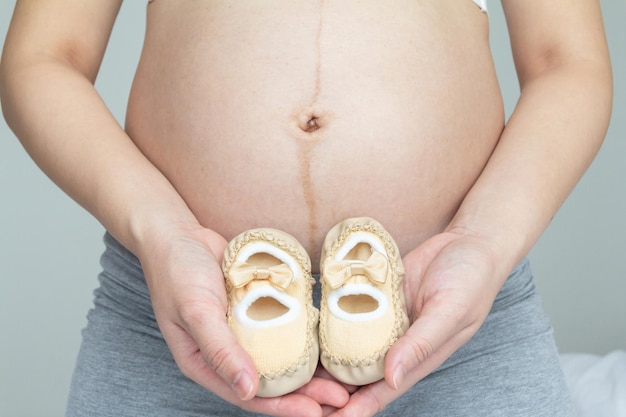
(49,246)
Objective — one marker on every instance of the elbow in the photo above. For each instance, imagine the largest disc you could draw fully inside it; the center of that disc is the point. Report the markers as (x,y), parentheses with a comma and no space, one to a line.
(588,78)
(596,78)
(10,82)
(5,87)
(601,77)
(11,73)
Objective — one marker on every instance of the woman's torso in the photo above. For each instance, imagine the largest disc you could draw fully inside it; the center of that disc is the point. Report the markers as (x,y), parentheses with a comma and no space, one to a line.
(297,115)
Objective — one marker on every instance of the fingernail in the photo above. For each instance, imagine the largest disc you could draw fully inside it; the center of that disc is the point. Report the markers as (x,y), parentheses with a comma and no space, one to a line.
(243,386)
(398,376)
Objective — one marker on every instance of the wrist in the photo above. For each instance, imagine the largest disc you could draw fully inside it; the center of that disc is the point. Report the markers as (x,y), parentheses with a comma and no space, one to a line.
(151,226)
(506,244)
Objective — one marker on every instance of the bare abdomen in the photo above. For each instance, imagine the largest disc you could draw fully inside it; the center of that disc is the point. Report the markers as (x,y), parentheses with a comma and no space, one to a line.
(299,116)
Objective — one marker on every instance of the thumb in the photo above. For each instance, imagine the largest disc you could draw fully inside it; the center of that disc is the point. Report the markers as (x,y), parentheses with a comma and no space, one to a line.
(432,338)
(218,353)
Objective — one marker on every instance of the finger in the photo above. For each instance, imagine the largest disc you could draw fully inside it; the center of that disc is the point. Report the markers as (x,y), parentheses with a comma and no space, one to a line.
(323,373)
(219,349)
(372,399)
(326,392)
(367,401)
(439,323)
(285,406)
(328,410)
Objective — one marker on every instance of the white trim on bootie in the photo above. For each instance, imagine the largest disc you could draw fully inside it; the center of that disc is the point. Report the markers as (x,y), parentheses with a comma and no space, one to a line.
(240,311)
(357,289)
(264,247)
(355,239)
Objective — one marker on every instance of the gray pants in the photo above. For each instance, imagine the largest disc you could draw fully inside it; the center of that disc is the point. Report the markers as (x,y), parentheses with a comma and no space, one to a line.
(124,368)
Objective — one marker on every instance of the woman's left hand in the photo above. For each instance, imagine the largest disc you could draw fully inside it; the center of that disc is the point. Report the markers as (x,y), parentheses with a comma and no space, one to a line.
(451,282)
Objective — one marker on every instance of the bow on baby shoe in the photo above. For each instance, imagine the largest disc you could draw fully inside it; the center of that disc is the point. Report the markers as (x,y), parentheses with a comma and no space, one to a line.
(337,273)
(242,273)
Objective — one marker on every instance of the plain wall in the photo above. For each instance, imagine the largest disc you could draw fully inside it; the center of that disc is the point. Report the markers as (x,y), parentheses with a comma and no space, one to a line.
(49,246)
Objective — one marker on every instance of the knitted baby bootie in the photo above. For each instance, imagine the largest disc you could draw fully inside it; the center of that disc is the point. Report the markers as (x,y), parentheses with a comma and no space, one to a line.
(363,311)
(270,308)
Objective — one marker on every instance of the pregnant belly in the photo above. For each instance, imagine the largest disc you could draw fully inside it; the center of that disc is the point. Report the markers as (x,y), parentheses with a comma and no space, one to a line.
(264,121)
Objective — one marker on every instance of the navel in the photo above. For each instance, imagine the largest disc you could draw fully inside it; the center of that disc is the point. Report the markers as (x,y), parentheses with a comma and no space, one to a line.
(309,122)
(311,125)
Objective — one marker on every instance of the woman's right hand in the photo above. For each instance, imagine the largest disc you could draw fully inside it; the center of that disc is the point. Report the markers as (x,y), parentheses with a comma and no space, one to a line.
(186,284)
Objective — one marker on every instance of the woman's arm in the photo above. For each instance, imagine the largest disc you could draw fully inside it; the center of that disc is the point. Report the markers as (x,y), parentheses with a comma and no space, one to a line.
(555,131)
(552,136)
(51,58)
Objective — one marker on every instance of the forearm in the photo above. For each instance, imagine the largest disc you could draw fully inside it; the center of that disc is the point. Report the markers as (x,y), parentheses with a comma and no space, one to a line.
(67,129)
(550,140)
(69,132)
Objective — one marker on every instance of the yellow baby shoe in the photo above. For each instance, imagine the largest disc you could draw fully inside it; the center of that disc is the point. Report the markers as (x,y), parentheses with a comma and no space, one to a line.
(270,307)
(363,310)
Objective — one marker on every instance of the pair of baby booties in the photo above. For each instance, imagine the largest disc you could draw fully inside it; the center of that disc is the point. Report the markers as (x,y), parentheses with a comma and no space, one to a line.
(270,305)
